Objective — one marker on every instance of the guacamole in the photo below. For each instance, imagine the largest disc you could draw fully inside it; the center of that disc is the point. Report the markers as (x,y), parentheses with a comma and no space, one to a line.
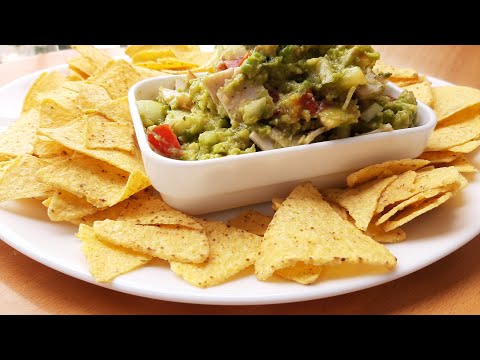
(264,97)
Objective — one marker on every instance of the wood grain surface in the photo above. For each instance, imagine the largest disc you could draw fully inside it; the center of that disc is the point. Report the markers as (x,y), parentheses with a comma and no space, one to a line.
(450,286)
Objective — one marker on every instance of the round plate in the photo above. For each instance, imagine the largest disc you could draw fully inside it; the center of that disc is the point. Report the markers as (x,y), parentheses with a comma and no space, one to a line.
(25,226)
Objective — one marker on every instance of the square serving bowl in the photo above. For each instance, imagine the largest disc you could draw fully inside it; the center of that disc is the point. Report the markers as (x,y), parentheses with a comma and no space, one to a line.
(198,187)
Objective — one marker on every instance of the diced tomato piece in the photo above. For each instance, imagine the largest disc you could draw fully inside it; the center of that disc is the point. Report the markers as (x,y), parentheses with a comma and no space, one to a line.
(221,66)
(307,101)
(165,141)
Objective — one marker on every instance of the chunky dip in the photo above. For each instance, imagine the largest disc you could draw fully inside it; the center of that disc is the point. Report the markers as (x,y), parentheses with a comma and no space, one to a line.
(264,97)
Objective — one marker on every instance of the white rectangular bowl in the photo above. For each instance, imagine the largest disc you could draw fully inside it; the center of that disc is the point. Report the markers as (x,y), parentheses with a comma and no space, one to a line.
(198,187)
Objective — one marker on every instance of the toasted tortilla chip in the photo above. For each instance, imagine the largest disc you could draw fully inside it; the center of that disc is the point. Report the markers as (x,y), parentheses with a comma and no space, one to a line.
(91,96)
(58,107)
(467,147)
(116,77)
(116,110)
(460,128)
(427,194)
(131,50)
(18,180)
(452,99)
(306,229)
(437,157)
(64,206)
(276,202)
(231,251)
(385,169)
(422,91)
(101,184)
(172,243)
(463,165)
(97,57)
(43,147)
(83,66)
(401,188)
(400,76)
(361,201)
(47,81)
(105,134)
(301,273)
(378,234)
(153,211)
(152,55)
(412,211)
(18,139)
(251,221)
(72,136)
(74,75)
(106,261)
(148,73)
(447,177)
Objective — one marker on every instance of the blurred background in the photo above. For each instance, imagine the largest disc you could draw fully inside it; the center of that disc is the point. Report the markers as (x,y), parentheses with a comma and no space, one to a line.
(11,53)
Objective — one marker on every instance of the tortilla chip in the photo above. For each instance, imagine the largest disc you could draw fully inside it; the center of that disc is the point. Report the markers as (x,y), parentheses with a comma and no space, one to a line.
(47,81)
(437,157)
(251,221)
(301,273)
(447,177)
(153,211)
(106,261)
(148,73)
(83,66)
(18,180)
(74,75)
(101,184)
(172,243)
(167,63)
(92,96)
(460,128)
(306,229)
(18,139)
(152,55)
(96,56)
(422,91)
(361,201)
(131,50)
(427,194)
(401,188)
(467,147)
(116,77)
(412,211)
(276,202)
(64,206)
(73,135)
(43,147)
(117,110)
(403,76)
(463,165)
(58,107)
(105,134)
(383,170)
(452,99)
(231,251)
(378,234)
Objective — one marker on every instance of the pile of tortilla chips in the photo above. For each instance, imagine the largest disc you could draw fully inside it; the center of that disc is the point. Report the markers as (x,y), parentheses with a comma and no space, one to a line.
(172,59)
(73,148)
(458,111)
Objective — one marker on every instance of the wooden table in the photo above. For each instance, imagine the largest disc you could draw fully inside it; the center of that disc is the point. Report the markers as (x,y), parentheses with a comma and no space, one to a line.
(450,286)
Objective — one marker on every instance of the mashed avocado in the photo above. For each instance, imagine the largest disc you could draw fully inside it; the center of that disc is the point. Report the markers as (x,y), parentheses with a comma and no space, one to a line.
(263,97)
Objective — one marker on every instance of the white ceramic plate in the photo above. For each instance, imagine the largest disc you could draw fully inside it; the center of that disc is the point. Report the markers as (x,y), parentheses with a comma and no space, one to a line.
(25,226)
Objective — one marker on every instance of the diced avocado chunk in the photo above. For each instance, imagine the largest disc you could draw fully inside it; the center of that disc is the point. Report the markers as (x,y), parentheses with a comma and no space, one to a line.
(151,112)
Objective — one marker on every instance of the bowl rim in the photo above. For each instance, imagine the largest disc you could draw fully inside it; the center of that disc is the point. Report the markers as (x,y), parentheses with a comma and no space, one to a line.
(148,151)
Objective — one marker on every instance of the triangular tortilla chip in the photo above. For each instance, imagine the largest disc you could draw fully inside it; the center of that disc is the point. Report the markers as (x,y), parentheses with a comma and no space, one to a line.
(306,229)
(18,139)
(18,180)
(106,261)
(383,170)
(452,99)
(102,185)
(231,251)
(172,243)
